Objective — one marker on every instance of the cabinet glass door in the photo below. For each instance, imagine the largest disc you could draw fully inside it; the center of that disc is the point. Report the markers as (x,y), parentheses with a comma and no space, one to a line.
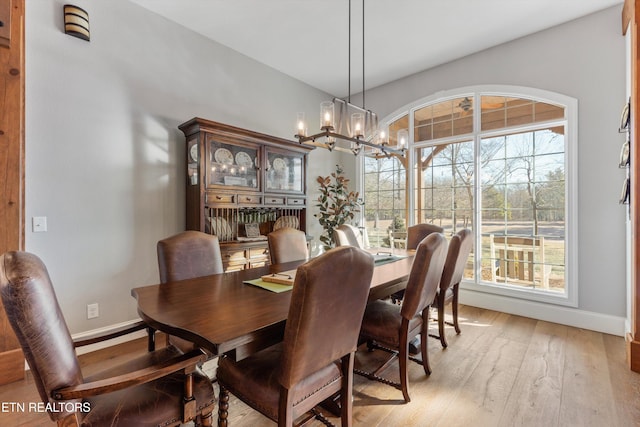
(284,171)
(233,165)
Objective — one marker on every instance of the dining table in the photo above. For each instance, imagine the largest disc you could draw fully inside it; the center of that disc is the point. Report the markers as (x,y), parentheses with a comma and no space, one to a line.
(221,313)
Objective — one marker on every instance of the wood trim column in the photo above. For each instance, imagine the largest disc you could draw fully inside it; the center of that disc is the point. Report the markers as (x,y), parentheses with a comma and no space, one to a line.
(12,79)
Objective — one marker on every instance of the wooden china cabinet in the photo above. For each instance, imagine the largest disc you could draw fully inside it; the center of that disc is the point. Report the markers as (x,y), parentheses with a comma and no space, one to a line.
(241,185)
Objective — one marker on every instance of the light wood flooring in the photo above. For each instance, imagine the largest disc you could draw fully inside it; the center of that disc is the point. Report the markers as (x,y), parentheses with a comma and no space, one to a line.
(503,370)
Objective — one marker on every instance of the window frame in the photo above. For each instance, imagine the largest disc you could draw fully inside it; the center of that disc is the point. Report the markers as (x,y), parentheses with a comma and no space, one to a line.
(570,123)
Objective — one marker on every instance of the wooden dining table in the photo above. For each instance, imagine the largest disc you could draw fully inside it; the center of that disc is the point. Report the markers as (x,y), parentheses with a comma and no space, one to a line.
(222,314)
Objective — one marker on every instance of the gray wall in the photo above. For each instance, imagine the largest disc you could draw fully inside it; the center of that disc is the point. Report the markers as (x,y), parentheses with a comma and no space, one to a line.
(104,157)
(584,59)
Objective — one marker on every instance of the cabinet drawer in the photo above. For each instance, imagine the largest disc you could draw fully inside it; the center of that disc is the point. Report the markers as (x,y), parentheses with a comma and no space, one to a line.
(249,199)
(272,200)
(295,201)
(258,253)
(233,255)
(217,199)
(228,268)
(255,264)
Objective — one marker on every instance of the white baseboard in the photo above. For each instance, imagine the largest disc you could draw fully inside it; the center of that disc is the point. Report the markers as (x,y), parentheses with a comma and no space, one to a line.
(598,322)
(104,344)
(106,329)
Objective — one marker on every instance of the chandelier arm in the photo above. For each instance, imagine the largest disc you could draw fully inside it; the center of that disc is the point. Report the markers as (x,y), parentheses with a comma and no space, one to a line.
(326,146)
(328,133)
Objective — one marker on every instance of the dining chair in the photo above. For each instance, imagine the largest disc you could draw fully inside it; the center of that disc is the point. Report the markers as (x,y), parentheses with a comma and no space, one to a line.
(287,244)
(348,235)
(315,359)
(162,387)
(187,255)
(460,247)
(390,327)
(416,233)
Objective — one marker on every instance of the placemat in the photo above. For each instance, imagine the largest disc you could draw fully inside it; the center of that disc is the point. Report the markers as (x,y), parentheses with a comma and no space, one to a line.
(387,258)
(270,286)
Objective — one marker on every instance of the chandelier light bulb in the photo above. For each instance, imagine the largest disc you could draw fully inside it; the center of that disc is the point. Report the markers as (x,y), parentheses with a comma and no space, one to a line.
(301,130)
(403,138)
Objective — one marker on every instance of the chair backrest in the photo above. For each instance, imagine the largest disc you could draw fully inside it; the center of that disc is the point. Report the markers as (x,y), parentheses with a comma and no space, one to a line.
(425,275)
(187,255)
(327,305)
(287,244)
(459,249)
(35,316)
(347,235)
(416,233)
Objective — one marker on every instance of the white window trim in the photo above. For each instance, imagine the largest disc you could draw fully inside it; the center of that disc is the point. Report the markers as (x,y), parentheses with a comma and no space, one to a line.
(570,297)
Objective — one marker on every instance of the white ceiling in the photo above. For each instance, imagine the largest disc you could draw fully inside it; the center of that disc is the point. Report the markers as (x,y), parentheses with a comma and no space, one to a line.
(308,39)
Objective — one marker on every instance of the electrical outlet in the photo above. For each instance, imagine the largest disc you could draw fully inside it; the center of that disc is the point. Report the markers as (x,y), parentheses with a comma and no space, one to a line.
(39,224)
(93,311)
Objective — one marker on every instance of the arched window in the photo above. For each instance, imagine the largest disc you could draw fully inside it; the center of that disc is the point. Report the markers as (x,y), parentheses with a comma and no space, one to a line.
(498,160)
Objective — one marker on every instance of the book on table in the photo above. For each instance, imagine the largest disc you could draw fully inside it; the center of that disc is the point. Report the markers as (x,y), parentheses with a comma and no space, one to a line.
(282,278)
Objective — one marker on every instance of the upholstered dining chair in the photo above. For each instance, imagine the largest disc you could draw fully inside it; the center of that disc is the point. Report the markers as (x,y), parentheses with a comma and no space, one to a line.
(416,233)
(460,247)
(315,359)
(390,327)
(187,255)
(287,244)
(163,387)
(348,235)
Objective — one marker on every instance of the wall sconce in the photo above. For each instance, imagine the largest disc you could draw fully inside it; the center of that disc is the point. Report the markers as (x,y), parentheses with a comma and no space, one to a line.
(76,22)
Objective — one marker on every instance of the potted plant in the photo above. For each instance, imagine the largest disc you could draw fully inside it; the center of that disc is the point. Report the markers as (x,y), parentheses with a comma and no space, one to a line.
(336,204)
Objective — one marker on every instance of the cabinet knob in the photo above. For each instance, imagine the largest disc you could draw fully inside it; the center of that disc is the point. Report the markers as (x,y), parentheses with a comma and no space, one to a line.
(248,199)
(218,197)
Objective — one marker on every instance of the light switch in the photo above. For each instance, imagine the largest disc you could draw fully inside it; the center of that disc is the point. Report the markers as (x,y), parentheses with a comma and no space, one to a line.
(39,224)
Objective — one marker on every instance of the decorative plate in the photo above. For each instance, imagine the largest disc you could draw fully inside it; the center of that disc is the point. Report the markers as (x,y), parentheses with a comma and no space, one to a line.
(224,156)
(243,159)
(279,164)
(193,152)
(286,221)
(220,227)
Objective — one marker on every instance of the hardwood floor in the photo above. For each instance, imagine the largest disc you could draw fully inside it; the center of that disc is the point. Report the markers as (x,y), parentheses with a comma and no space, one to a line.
(503,370)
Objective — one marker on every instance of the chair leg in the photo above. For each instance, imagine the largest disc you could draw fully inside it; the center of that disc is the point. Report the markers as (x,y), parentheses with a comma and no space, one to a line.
(151,339)
(442,336)
(454,307)
(423,345)
(403,360)
(205,420)
(223,406)
(285,408)
(346,403)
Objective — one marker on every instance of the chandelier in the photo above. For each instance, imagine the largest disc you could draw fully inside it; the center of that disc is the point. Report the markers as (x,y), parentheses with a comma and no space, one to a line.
(342,121)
